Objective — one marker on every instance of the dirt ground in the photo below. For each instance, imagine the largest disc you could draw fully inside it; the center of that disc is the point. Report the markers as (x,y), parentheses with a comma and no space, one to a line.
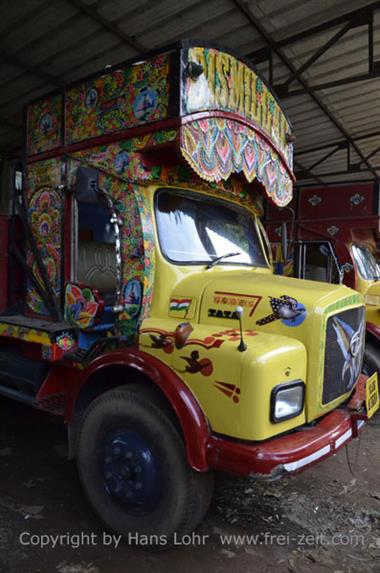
(324,520)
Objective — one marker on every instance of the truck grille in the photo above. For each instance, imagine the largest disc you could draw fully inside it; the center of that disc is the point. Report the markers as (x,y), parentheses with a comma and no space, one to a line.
(345,338)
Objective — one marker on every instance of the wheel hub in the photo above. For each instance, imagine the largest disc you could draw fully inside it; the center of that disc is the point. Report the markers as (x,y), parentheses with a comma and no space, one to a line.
(131,471)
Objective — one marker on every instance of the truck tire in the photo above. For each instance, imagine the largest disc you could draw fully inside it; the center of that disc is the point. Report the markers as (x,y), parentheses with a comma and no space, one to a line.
(133,468)
(371,361)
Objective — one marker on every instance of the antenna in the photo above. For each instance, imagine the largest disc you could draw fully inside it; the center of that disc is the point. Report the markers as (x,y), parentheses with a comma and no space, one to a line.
(242,346)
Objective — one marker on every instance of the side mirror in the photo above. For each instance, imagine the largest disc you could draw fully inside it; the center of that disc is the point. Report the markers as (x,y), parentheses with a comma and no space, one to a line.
(284,241)
(87,188)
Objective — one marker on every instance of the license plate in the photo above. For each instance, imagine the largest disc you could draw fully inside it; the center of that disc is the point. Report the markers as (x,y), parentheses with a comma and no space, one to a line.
(372,395)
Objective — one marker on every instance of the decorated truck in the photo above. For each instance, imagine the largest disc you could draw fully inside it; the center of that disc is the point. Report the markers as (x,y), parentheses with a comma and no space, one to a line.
(333,235)
(142,306)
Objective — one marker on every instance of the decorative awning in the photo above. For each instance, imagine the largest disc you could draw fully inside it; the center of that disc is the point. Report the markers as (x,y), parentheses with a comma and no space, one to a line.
(216,147)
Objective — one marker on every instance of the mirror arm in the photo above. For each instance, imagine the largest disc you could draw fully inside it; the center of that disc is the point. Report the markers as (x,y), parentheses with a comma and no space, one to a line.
(117,223)
(284,241)
(293,223)
(339,268)
(284,234)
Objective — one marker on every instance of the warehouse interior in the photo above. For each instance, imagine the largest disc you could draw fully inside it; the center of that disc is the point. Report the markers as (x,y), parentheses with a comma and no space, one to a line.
(320,59)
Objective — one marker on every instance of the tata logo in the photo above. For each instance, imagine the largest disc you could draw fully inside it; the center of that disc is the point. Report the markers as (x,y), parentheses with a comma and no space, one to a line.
(217,313)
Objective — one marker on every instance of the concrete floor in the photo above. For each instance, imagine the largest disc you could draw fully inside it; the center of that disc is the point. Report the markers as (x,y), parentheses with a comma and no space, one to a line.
(325,520)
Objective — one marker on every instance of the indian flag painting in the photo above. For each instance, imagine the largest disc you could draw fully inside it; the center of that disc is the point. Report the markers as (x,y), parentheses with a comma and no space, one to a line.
(179,306)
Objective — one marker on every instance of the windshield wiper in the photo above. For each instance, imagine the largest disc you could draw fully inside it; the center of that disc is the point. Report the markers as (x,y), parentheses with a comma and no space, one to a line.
(221,258)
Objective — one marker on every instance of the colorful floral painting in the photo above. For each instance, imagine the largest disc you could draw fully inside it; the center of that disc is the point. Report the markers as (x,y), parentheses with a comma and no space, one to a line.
(229,84)
(217,147)
(149,251)
(65,341)
(47,173)
(125,160)
(45,211)
(81,306)
(44,125)
(118,100)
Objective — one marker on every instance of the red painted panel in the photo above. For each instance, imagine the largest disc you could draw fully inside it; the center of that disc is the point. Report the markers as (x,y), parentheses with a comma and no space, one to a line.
(273,231)
(330,202)
(189,413)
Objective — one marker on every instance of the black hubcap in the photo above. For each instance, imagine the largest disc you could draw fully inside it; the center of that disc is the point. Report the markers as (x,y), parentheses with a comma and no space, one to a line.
(131,471)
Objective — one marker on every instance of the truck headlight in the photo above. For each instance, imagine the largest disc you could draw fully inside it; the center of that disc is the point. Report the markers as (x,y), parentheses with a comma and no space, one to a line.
(287,400)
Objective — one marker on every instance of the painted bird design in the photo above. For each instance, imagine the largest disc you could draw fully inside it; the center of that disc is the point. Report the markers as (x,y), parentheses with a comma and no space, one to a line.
(284,308)
(159,341)
(194,365)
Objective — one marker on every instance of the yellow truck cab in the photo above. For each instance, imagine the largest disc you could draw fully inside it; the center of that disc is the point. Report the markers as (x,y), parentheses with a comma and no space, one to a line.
(150,317)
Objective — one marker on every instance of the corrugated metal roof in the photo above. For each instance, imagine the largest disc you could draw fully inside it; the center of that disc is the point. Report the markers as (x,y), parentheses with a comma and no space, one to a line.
(47,43)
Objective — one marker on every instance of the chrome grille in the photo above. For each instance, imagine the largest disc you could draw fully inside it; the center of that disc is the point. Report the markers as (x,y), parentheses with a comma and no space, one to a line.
(345,338)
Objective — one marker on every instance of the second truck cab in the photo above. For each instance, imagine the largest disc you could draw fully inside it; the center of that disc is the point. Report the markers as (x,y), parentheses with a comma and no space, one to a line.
(334,237)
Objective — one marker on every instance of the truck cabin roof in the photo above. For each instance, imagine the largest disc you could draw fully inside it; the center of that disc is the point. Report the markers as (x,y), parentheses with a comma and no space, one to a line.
(225,117)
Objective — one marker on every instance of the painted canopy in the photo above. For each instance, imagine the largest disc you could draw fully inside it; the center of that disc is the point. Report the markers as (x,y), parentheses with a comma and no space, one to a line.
(228,119)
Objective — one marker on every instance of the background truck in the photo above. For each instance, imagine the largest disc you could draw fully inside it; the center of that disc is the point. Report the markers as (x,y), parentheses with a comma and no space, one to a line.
(334,236)
(146,312)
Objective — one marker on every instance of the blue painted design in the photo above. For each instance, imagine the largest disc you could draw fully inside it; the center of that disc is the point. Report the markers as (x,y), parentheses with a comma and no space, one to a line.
(46,123)
(145,103)
(300,315)
(132,293)
(91,98)
(121,161)
(285,308)
(87,339)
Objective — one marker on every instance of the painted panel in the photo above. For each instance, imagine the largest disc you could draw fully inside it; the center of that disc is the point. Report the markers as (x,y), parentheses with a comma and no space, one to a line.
(228,84)
(217,147)
(45,204)
(340,201)
(44,125)
(115,101)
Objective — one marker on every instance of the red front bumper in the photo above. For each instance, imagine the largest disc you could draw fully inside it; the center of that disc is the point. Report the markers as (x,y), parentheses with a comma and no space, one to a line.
(293,452)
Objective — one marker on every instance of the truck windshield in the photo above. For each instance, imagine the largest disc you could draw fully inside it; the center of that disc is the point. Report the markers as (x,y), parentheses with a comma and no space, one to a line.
(197,229)
(366,263)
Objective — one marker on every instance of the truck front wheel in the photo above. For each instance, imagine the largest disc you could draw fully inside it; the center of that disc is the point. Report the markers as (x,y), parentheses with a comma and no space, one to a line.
(133,468)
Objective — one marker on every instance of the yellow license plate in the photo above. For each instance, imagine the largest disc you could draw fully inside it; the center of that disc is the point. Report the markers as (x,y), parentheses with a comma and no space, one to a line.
(372,395)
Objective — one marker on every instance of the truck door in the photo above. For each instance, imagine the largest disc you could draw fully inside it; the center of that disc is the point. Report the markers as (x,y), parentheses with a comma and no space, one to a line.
(91,294)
